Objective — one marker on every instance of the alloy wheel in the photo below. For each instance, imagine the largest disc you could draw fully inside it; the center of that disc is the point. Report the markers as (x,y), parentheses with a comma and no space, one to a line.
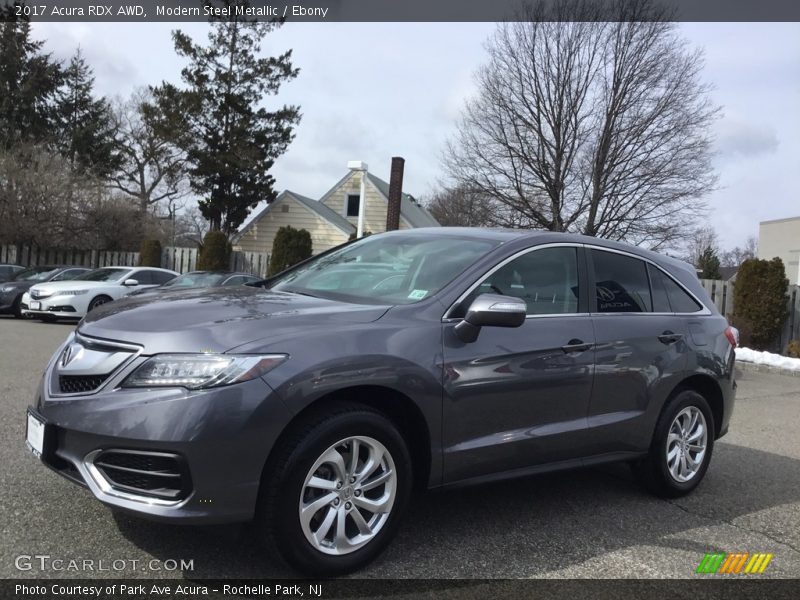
(348,495)
(687,442)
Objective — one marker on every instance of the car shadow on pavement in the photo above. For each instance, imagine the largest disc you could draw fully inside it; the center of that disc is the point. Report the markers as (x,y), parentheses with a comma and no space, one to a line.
(519,528)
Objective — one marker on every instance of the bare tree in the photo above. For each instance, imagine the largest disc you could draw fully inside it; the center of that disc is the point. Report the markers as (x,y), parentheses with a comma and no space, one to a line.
(461,207)
(737,255)
(697,243)
(591,118)
(36,186)
(153,169)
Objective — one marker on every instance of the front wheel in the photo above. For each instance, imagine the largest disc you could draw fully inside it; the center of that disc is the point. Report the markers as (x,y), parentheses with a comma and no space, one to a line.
(681,448)
(99,301)
(334,497)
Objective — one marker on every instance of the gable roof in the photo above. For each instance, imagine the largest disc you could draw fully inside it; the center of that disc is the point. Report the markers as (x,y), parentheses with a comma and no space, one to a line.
(727,272)
(416,214)
(324,212)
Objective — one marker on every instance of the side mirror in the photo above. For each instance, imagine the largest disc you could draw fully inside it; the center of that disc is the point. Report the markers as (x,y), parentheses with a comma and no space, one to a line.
(491,310)
(130,283)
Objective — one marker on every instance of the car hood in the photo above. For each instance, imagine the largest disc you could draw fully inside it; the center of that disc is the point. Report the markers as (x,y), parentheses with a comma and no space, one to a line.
(219,319)
(18,285)
(56,286)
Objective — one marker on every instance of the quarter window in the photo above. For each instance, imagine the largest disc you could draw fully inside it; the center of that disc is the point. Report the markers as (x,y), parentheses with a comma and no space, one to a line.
(679,301)
(621,283)
(546,279)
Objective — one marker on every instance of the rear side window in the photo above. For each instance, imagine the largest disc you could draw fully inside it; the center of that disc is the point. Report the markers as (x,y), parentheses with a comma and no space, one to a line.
(621,283)
(143,277)
(160,277)
(678,300)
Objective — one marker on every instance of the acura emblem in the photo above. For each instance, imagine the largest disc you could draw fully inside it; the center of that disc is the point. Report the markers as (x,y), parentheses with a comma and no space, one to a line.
(69,354)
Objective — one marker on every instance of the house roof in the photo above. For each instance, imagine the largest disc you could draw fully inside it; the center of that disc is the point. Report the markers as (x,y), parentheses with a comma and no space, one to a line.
(330,215)
(727,272)
(416,214)
(325,212)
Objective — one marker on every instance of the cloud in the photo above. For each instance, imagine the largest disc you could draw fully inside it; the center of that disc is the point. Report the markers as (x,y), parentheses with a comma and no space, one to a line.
(740,138)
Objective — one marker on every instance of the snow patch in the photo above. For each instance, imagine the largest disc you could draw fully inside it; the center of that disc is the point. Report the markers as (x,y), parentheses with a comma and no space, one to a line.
(767,358)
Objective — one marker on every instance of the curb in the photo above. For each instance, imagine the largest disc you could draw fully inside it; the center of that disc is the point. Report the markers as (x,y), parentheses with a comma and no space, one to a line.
(750,366)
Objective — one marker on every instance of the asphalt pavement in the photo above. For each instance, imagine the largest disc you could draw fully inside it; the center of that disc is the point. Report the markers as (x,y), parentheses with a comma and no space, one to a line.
(590,523)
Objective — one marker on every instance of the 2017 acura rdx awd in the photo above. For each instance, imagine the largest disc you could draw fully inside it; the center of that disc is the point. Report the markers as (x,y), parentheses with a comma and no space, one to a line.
(314,403)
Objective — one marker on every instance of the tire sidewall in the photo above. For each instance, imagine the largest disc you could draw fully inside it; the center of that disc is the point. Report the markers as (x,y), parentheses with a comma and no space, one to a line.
(681,401)
(93,304)
(289,535)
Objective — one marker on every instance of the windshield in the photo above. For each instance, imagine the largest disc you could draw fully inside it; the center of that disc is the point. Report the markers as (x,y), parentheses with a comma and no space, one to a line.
(35,274)
(104,275)
(391,269)
(199,279)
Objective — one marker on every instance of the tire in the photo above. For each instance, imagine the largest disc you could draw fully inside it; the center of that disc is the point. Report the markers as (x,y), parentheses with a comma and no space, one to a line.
(674,465)
(16,308)
(98,301)
(309,449)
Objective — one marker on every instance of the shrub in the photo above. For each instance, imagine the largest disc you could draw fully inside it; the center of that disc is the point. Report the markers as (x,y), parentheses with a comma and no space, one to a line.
(760,302)
(793,349)
(215,252)
(150,253)
(289,248)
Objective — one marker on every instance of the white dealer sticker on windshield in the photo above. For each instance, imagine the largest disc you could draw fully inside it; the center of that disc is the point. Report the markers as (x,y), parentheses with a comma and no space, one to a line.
(418,294)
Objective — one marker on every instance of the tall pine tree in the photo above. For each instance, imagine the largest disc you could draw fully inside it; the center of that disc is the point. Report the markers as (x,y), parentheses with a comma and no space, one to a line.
(231,140)
(84,123)
(29,79)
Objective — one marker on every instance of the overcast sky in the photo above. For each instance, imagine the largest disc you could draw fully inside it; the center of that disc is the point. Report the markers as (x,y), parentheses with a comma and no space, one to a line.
(375,90)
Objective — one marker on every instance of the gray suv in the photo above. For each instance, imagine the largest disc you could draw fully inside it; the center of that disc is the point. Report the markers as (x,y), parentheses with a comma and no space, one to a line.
(314,403)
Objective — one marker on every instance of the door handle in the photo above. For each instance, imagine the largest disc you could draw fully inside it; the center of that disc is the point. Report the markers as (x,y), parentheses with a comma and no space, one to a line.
(669,338)
(575,345)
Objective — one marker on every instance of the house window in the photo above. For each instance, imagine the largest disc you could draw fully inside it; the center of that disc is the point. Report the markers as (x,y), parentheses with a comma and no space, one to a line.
(285,208)
(352,204)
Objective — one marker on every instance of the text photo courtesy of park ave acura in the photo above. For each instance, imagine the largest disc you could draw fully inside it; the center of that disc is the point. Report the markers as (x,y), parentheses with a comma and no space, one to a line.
(456,300)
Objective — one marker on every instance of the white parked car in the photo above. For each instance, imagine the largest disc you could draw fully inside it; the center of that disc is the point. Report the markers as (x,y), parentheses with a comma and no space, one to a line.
(73,299)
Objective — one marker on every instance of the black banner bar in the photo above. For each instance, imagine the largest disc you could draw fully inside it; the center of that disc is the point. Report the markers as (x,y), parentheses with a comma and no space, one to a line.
(363,10)
(706,587)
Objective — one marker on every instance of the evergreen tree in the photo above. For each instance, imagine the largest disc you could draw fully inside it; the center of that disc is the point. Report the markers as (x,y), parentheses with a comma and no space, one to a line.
(230,140)
(760,300)
(708,264)
(28,83)
(84,123)
(289,248)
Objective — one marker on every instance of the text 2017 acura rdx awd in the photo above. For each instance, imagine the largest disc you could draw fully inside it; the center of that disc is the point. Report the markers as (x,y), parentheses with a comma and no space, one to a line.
(428,357)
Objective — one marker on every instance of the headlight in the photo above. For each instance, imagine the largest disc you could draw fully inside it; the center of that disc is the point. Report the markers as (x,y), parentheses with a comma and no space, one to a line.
(8,288)
(197,371)
(72,293)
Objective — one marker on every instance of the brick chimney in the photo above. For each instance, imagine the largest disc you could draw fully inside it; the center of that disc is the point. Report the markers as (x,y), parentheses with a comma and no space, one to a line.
(395,193)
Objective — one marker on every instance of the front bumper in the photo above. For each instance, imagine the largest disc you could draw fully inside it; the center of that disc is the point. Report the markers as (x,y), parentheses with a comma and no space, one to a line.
(54,306)
(222,435)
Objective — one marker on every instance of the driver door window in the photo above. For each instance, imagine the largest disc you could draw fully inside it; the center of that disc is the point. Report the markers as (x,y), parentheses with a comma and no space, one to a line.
(546,279)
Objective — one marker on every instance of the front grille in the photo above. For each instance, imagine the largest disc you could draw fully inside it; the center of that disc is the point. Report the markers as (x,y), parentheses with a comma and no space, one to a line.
(158,474)
(74,384)
(36,294)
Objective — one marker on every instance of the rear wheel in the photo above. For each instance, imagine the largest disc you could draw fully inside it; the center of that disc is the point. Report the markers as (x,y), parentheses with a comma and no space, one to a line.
(681,448)
(334,496)
(100,300)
